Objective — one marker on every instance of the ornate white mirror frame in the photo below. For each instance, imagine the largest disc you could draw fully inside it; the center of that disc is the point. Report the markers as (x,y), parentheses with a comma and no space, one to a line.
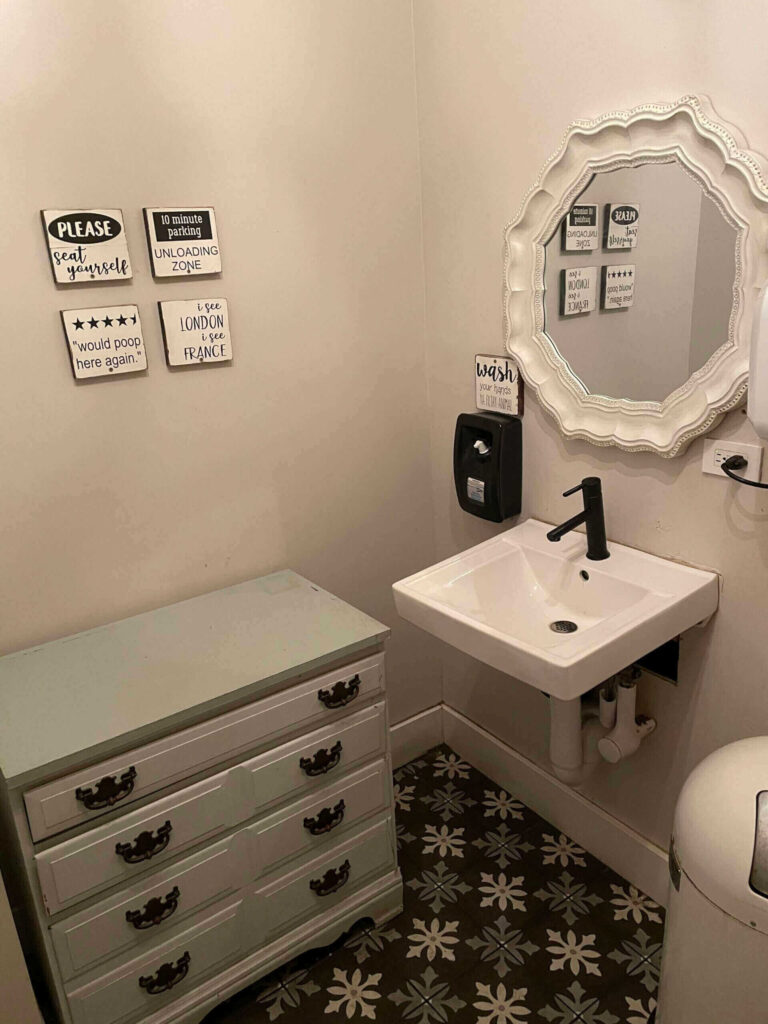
(715,154)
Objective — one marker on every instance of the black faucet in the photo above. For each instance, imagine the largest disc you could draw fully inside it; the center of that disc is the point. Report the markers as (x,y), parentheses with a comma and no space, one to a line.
(592,515)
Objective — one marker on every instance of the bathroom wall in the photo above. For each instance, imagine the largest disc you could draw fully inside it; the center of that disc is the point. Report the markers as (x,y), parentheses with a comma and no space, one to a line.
(296,120)
(498,83)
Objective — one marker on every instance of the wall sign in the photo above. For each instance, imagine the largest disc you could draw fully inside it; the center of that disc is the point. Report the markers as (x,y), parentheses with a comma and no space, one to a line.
(182,241)
(104,340)
(195,331)
(579,230)
(621,223)
(498,385)
(618,286)
(86,245)
(578,290)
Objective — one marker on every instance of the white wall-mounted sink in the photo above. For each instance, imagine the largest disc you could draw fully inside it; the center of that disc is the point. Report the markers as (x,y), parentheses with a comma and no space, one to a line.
(497,601)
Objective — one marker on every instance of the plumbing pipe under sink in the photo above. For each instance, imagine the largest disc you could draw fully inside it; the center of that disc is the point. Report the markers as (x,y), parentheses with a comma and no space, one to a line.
(579,735)
(629,731)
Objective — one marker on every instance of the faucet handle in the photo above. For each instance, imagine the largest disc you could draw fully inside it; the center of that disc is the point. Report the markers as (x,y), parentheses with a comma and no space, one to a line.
(572,490)
(590,484)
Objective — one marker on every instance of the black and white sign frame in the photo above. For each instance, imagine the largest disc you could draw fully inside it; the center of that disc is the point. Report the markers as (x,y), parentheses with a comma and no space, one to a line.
(182,240)
(498,385)
(580,230)
(195,331)
(587,275)
(87,246)
(104,341)
(617,285)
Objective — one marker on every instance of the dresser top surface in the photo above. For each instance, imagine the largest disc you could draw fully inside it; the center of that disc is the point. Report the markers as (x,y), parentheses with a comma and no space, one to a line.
(172,665)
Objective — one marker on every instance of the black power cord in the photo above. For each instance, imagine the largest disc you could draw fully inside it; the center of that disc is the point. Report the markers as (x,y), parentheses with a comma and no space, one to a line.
(739,462)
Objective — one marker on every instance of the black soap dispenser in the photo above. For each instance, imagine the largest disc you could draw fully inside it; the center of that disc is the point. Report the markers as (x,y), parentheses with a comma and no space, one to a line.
(488,464)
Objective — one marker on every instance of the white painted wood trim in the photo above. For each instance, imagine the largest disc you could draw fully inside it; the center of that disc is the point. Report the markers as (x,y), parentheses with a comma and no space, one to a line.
(715,154)
(631,855)
(417,734)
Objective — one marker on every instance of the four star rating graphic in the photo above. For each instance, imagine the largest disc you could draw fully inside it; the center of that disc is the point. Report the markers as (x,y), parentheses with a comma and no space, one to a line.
(79,325)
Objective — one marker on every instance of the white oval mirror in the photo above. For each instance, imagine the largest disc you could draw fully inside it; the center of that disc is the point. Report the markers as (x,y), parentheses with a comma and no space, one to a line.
(631,274)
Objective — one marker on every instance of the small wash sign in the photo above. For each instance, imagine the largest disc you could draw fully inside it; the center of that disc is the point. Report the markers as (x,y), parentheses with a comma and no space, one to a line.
(497,385)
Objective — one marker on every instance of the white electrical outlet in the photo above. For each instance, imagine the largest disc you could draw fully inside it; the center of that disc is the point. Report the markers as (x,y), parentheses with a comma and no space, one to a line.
(716,452)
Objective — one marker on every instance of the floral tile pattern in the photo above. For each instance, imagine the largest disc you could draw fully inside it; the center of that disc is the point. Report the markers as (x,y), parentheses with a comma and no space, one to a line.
(505,921)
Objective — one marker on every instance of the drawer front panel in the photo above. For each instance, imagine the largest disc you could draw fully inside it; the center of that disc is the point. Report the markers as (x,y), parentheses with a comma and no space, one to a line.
(147,984)
(316,760)
(103,931)
(83,866)
(139,917)
(85,795)
(327,880)
(319,822)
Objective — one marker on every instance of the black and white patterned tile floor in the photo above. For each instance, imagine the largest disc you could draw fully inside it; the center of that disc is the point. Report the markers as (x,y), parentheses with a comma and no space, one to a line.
(506,921)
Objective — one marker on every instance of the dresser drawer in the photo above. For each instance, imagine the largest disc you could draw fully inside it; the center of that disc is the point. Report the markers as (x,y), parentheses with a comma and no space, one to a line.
(87,794)
(139,916)
(144,985)
(314,761)
(103,931)
(122,849)
(328,880)
(306,828)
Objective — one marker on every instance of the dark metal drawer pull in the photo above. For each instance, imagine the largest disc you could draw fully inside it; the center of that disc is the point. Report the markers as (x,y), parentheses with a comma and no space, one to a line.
(108,791)
(145,845)
(166,977)
(326,820)
(343,692)
(155,911)
(331,881)
(322,761)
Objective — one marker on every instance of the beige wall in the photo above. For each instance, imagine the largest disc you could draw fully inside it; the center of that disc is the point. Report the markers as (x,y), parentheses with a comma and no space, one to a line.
(296,120)
(498,83)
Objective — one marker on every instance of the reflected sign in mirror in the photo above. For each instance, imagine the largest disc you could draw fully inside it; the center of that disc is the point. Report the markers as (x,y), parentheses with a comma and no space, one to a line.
(666,263)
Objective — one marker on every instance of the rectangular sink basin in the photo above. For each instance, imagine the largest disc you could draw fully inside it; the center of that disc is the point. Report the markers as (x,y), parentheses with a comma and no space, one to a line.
(546,614)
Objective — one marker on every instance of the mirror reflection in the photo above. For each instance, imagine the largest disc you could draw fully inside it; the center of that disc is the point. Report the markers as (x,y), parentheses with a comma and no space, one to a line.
(639,282)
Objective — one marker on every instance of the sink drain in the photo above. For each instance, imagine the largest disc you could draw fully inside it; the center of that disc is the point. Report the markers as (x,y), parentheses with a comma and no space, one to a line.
(563,626)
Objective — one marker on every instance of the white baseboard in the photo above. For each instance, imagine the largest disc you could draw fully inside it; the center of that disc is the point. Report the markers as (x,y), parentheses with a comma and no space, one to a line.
(416,735)
(629,854)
